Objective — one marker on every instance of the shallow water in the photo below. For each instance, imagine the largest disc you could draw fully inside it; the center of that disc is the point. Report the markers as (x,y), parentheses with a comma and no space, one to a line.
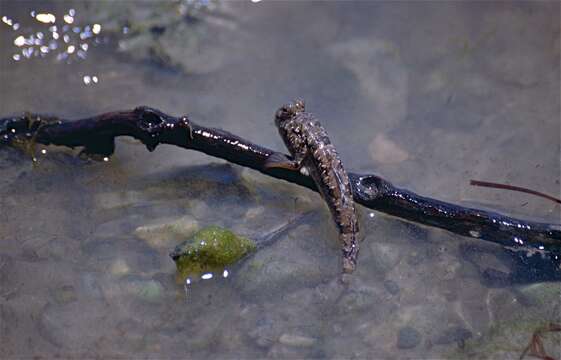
(429,95)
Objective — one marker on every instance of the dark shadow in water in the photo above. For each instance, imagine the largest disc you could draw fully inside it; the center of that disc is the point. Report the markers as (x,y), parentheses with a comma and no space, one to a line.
(525,267)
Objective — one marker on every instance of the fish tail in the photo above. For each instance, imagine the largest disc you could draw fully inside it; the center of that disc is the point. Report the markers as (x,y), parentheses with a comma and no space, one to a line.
(350,251)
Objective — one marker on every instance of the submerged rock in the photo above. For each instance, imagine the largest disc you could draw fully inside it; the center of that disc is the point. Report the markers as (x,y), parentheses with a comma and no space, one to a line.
(148,290)
(385,256)
(385,151)
(117,199)
(296,340)
(360,298)
(408,338)
(302,258)
(62,324)
(132,287)
(193,36)
(65,294)
(210,249)
(167,233)
(454,334)
(391,286)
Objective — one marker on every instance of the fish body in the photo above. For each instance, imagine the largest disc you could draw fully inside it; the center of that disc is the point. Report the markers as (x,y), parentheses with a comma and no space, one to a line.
(309,145)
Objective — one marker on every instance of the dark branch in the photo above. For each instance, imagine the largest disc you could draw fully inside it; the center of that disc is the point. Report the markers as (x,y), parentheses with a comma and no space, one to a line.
(152,127)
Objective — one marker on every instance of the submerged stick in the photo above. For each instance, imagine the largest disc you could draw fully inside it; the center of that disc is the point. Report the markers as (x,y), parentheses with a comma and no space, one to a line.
(152,127)
(513,188)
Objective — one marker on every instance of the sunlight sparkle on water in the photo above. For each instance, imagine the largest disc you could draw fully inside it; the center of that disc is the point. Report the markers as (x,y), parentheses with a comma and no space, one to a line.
(68,19)
(6,20)
(45,18)
(19,41)
(88,80)
(43,43)
(206,276)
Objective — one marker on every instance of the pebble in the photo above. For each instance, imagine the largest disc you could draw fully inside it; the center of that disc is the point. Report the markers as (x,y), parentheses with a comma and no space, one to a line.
(65,294)
(263,336)
(148,290)
(370,59)
(119,267)
(391,286)
(408,338)
(112,200)
(385,256)
(385,151)
(63,324)
(296,340)
(453,334)
(360,299)
(167,234)
(89,286)
(254,212)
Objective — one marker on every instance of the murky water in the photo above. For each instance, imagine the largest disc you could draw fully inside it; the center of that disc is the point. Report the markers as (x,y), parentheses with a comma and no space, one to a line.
(429,95)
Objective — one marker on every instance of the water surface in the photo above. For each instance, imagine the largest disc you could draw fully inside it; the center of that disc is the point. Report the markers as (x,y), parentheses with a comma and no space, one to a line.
(429,95)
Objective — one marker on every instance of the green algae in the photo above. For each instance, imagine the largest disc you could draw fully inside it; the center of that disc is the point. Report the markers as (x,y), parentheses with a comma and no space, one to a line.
(210,249)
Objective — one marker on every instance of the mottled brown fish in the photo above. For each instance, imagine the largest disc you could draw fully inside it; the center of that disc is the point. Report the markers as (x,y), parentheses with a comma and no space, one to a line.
(313,153)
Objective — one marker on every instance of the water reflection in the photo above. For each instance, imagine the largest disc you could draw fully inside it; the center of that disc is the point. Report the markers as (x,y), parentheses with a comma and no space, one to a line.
(51,38)
(190,281)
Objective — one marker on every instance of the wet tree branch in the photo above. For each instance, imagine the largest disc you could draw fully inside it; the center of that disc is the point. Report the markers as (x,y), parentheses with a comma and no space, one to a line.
(152,127)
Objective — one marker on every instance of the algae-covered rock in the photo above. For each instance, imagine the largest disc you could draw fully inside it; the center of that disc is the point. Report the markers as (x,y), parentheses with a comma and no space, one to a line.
(210,249)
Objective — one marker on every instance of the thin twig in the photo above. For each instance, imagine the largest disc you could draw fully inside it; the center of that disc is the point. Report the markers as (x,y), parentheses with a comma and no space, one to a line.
(513,188)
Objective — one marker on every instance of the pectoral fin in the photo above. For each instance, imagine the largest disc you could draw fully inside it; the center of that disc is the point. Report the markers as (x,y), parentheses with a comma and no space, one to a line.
(278,160)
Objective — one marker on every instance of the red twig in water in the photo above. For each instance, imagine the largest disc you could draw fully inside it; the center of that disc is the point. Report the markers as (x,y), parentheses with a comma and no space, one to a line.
(535,347)
(513,188)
